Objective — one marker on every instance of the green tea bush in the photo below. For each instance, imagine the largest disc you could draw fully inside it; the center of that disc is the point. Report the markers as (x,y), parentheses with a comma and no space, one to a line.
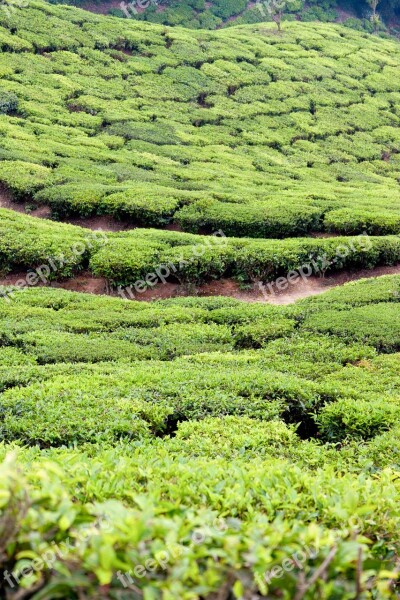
(384,450)
(74,416)
(357,419)
(96,546)
(349,222)
(249,221)
(224,409)
(57,347)
(193,259)
(23,178)
(144,210)
(237,436)
(66,200)
(30,243)
(258,334)
(377,325)
(138,427)
(177,393)
(235,129)
(356,293)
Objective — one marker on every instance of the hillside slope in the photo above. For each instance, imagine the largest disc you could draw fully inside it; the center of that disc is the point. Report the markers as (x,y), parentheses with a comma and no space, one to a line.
(197,448)
(201,448)
(259,134)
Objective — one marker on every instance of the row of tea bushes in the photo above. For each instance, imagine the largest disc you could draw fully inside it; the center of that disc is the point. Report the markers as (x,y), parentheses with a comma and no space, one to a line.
(58,249)
(150,256)
(105,534)
(376,324)
(134,257)
(316,378)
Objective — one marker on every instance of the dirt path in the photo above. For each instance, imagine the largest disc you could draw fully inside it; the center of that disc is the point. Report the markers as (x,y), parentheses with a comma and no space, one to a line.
(312,286)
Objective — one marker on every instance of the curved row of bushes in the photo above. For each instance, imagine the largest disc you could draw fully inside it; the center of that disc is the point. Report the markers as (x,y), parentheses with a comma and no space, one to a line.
(152,256)
(294,423)
(131,370)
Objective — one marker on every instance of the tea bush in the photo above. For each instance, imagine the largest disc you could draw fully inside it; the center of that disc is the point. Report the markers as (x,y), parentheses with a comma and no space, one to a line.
(97,543)
(29,243)
(377,325)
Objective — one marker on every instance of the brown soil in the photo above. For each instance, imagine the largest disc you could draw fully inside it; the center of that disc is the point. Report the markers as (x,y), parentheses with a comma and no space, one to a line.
(85,282)
(173,227)
(312,286)
(160,292)
(323,235)
(103,223)
(6,201)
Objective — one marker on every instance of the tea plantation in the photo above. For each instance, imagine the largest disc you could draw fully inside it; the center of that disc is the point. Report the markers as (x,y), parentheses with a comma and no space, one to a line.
(216,437)
(197,448)
(258,134)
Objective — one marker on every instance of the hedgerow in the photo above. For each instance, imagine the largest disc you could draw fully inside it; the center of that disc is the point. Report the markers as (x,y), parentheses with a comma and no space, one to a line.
(131,256)
(377,325)
(252,419)
(348,222)
(292,376)
(27,243)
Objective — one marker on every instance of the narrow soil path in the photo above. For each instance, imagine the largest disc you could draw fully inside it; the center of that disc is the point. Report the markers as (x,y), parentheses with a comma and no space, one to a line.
(6,201)
(312,286)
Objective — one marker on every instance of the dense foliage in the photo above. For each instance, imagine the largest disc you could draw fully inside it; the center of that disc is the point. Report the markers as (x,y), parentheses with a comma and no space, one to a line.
(241,130)
(197,448)
(199,14)
(157,396)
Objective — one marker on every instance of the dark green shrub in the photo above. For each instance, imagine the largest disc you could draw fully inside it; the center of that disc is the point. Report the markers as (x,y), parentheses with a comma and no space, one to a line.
(8,102)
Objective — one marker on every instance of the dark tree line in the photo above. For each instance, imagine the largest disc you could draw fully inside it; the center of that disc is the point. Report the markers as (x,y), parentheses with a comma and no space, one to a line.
(388,8)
